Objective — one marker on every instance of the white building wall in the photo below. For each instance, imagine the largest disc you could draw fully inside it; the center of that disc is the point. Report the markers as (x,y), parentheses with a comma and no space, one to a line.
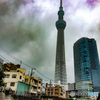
(15,80)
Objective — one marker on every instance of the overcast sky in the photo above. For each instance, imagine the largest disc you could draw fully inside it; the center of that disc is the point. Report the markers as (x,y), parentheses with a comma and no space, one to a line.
(28,32)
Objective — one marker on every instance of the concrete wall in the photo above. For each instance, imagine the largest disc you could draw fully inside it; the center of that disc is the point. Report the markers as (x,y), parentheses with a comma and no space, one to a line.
(52,99)
(47,99)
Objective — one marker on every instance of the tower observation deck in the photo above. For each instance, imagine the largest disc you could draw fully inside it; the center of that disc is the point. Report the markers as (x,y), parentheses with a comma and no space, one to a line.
(60,66)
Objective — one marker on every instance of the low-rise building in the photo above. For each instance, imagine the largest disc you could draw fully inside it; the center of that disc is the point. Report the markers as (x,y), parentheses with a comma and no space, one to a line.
(10,66)
(35,83)
(52,84)
(23,88)
(56,91)
(12,78)
(71,89)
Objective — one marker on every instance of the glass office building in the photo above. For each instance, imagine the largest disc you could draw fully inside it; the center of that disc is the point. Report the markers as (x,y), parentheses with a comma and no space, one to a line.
(86,65)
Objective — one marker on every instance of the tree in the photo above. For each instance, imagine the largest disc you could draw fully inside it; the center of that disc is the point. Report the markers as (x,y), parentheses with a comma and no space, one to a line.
(2,75)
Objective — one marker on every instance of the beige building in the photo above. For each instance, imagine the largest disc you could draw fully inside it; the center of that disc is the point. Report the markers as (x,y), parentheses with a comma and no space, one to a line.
(13,76)
(35,83)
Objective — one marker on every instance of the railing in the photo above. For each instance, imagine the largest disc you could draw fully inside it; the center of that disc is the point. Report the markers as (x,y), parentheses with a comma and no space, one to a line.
(25,97)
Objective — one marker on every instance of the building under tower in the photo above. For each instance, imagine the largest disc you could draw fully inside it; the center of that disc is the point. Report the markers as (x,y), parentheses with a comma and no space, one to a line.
(60,66)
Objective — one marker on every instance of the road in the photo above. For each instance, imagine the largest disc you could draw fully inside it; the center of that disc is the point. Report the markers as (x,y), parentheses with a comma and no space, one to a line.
(5,97)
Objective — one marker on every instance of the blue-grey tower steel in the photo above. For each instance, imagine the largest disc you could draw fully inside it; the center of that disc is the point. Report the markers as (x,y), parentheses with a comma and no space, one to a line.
(86,63)
(60,66)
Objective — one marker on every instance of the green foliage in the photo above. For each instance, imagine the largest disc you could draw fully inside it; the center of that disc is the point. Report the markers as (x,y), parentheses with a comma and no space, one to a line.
(70,97)
(76,96)
(2,75)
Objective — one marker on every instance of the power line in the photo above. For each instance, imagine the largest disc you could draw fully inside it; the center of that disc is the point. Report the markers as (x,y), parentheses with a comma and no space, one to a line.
(4,58)
(43,75)
(6,52)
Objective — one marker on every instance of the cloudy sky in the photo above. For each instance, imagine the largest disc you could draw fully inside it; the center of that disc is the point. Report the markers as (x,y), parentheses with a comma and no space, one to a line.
(28,32)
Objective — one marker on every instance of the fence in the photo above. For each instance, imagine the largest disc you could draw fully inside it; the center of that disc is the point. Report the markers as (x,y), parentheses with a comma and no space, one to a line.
(22,93)
(25,97)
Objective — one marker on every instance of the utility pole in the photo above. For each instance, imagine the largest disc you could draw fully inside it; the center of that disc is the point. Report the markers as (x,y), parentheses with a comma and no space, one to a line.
(50,84)
(20,63)
(31,72)
(30,79)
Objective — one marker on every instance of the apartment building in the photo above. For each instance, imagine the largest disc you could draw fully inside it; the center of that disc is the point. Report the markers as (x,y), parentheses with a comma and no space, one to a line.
(56,91)
(35,83)
(12,77)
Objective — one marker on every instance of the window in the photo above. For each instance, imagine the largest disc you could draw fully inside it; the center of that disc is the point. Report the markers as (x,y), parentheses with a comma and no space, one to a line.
(61,90)
(38,87)
(24,74)
(51,89)
(51,93)
(56,89)
(34,89)
(39,81)
(14,76)
(61,94)
(7,76)
(48,89)
(20,77)
(26,80)
(48,93)
(18,71)
(56,92)
(12,84)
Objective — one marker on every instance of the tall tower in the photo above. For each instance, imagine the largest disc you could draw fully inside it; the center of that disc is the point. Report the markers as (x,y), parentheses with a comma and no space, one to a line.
(60,66)
(86,63)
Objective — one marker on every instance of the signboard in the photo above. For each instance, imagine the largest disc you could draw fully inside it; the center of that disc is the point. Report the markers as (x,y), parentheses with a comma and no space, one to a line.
(93,94)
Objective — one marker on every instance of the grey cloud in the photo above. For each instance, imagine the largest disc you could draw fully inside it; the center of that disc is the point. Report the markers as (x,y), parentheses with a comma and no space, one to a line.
(27,31)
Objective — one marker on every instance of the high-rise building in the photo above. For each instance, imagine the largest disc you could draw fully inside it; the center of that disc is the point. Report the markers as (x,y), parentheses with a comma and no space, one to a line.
(86,65)
(60,66)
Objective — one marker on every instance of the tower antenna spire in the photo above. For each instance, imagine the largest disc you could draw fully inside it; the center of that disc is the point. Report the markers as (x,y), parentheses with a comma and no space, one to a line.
(61,4)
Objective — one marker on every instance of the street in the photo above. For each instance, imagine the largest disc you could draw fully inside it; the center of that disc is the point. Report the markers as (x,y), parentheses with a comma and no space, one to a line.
(4,97)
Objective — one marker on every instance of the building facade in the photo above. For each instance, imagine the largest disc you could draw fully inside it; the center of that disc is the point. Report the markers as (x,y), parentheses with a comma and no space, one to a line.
(23,88)
(71,89)
(12,78)
(60,66)
(19,82)
(56,91)
(52,84)
(86,65)
(35,84)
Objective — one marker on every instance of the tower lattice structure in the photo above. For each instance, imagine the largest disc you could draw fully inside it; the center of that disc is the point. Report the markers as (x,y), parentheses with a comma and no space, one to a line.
(60,66)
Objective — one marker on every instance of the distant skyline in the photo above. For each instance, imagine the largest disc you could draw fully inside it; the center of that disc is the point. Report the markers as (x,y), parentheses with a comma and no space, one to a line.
(28,32)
